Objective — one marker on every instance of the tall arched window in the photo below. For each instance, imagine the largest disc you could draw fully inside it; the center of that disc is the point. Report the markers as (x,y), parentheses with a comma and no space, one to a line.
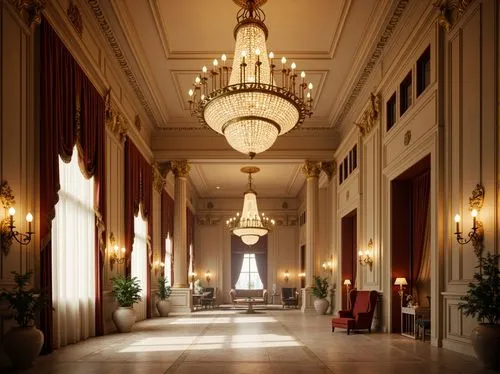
(73,256)
(139,264)
(249,278)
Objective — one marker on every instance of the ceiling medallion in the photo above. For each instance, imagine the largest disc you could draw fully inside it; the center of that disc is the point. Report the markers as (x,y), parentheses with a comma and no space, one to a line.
(252,102)
(250,226)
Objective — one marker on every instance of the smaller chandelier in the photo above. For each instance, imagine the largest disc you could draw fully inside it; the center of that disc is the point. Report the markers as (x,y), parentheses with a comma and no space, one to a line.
(250,226)
(254,101)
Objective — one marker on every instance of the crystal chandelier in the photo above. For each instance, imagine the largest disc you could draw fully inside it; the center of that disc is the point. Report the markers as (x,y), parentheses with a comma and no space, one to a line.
(252,102)
(250,226)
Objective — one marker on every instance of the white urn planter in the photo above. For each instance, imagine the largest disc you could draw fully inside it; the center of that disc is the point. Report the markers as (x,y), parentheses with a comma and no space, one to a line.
(163,307)
(22,345)
(124,318)
(321,305)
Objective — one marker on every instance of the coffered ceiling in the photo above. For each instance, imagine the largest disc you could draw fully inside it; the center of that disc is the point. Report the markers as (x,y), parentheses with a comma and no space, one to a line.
(166,42)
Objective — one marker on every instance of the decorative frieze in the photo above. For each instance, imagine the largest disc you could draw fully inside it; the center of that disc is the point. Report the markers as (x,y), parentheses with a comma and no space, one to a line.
(75,17)
(30,10)
(371,116)
(114,120)
(286,220)
(450,11)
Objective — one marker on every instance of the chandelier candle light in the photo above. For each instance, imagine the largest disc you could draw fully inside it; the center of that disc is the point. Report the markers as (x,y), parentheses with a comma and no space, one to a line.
(252,102)
(250,226)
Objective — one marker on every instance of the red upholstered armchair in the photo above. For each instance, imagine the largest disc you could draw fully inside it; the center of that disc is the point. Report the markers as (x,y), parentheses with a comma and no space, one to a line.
(361,313)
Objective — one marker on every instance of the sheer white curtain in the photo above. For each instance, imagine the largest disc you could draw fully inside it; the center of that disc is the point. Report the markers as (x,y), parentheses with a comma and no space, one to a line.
(73,256)
(168,259)
(140,263)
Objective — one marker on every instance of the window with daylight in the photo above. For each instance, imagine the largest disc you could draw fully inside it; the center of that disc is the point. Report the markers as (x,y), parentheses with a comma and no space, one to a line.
(140,263)
(168,259)
(249,278)
(73,256)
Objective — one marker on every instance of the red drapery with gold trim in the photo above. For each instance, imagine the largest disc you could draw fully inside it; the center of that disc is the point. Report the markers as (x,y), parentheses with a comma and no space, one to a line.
(138,191)
(167,228)
(72,113)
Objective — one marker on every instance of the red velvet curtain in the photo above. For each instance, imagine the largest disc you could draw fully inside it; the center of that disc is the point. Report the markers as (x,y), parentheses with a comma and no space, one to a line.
(167,227)
(190,235)
(420,197)
(138,191)
(71,112)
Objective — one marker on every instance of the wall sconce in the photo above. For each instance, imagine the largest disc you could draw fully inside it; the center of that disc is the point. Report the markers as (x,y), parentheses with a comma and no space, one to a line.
(365,257)
(7,227)
(192,275)
(401,282)
(157,265)
(117,255)
(328,265)
(476,233)
(302,275)
(286,276)
(207,276)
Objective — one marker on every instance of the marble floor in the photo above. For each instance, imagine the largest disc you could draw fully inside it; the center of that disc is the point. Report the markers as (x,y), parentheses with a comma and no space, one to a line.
(269,342)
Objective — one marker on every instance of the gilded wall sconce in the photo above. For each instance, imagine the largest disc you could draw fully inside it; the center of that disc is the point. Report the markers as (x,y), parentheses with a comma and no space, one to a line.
(475,235)
(157,265)
(116,255)
(328,265)
(365,257)
(7,227)
(208,276)
(286,276)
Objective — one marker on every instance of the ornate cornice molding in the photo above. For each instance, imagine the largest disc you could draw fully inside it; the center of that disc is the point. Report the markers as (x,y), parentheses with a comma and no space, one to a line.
(75,17)
(450,11)
(372,61)
(311,169)
(180,168)
(114,120)
(120,57)
(371,116)
(30,10)
(329,167)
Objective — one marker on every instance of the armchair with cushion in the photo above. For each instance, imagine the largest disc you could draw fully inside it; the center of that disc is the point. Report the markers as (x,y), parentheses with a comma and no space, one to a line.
(289,297)
(360,315)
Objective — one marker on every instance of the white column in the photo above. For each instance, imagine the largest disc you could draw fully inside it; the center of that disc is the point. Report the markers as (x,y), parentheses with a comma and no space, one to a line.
(311,170)
(181,172)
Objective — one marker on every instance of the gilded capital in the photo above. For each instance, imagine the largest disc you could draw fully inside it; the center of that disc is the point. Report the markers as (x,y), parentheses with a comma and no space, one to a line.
(371,116)
(450,11)
(180,168)
(311,169)
(329,167)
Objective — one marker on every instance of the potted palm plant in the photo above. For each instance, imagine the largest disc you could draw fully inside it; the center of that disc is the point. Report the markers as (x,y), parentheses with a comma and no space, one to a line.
(24,342)
(127,292)
(320,290)
(483,303)
(163,293)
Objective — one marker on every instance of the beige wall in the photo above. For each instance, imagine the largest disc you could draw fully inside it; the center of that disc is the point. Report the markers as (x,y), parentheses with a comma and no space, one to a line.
(455,121)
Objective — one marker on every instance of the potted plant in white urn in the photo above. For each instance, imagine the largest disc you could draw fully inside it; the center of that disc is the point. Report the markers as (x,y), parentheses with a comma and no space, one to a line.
(127,292)
(483,303)
(163,304)
(23,342)
(320,290)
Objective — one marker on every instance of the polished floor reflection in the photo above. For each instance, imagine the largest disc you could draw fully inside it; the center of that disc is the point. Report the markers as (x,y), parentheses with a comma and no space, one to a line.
(270,342)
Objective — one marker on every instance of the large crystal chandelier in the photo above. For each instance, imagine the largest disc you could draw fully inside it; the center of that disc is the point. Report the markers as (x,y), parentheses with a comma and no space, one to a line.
(250,226)
(252,102)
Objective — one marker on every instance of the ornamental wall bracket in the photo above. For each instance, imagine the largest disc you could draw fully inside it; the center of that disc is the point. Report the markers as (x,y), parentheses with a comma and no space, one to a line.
(159,178)
(30,10)
(477,199)
(329,168)
(450,11)
(180,168)
(75,18)
(371,116)
(311,169)
(113,119)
